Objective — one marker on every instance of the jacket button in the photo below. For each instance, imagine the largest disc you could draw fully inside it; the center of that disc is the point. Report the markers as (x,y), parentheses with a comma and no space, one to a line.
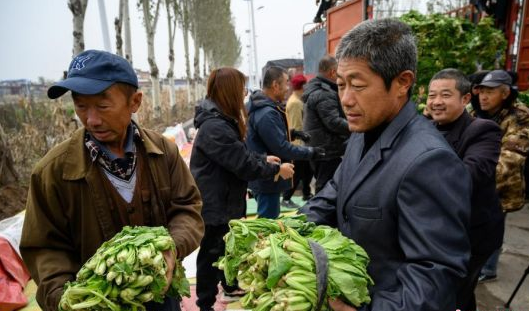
(130,209)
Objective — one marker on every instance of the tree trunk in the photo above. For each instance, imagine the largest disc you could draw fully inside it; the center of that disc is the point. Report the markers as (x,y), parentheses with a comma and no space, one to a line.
(150,28)
(126,29)
(8,173)
(185,32)
(78,9)
(118,23)
(196,71)
(171,7)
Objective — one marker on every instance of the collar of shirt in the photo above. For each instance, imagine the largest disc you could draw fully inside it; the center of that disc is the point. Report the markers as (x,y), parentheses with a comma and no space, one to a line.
(96,148)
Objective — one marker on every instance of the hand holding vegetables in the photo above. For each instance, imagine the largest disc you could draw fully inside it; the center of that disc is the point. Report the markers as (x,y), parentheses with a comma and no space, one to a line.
(338,305)
(136,266)
(275,264)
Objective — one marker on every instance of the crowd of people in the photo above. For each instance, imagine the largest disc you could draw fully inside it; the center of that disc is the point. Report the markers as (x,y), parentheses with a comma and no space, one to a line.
(425,195)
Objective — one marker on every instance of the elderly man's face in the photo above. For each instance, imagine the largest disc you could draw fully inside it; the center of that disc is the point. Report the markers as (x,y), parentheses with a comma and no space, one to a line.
(107,115)
(491,98)
(365,100)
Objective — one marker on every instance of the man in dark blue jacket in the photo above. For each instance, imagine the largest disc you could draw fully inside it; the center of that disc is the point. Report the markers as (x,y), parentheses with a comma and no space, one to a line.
(400,192)
(268,133)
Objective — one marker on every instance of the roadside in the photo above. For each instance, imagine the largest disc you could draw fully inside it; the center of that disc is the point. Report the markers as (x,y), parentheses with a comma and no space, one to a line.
(514,260)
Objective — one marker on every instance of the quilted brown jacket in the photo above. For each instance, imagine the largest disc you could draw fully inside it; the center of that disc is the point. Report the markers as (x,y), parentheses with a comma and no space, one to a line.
(67,217)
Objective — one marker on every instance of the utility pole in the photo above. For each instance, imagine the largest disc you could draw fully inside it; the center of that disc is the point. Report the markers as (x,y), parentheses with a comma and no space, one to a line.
(256,70)
(104,25)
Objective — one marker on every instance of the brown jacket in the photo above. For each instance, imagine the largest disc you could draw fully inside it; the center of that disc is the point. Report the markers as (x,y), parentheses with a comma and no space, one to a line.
(67,217)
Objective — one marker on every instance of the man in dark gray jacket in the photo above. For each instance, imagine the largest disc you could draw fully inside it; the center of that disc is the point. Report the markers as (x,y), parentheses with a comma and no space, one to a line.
(324,121)
(401,192)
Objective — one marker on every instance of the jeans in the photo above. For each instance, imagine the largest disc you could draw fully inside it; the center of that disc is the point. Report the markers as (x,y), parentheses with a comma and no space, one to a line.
(267,204)
(491,265)
(208,277)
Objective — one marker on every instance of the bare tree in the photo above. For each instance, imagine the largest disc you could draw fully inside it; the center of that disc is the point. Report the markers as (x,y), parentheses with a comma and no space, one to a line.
(125,19)
(151,10)
(78,9)
(172,13)
(118,26)
(185,22)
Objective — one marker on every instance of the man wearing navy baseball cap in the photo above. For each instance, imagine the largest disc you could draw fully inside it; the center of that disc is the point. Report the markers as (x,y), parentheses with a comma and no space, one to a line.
(109,174)
(497,102)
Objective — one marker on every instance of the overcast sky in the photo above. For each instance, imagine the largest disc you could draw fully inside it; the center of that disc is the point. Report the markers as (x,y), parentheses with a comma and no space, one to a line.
(36,35)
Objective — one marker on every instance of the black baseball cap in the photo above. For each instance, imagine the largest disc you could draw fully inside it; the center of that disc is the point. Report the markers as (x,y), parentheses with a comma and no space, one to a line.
(92,71)
(496,78)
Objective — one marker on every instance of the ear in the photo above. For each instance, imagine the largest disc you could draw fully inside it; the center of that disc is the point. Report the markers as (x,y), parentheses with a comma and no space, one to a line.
(404,82)
(135,101)
(466,98)
(506,94)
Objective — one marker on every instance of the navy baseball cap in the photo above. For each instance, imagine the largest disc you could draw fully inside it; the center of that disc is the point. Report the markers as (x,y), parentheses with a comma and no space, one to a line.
(496,78)
(91,72)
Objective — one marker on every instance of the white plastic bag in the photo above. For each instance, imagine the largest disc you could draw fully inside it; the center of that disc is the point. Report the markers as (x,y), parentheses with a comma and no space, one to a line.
(176,134)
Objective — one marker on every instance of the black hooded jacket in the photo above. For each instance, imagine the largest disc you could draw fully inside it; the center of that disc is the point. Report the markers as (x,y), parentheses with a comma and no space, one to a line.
(323,117)
(222,165)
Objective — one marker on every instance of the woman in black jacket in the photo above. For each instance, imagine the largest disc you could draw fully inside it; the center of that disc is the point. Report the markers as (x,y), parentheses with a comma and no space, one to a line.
(222,167)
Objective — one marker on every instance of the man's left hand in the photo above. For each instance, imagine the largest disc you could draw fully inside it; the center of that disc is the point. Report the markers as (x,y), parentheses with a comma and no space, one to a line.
(338,305)
(170,260)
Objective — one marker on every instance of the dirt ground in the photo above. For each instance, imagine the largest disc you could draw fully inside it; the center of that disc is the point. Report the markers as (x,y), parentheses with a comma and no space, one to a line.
(12,200)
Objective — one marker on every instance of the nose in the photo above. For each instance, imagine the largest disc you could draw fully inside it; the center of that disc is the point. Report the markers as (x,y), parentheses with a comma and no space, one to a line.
(347,97)
(92,118)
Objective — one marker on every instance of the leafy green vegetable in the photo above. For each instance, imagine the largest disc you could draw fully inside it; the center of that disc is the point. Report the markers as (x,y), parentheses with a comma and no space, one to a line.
(125,272)
(277,270)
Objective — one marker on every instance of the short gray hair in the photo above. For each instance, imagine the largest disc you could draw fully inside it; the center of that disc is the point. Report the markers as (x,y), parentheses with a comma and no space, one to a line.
(462,83)
(387,45)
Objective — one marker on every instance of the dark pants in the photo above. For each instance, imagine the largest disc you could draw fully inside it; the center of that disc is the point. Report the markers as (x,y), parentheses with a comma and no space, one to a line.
(324,6)
(267,204)
(302,173)
(169,304)
(324,171)
(465,298)
(208,277)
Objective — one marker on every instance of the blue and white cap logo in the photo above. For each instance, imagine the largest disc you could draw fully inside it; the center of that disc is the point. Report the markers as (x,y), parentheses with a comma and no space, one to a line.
(80,62)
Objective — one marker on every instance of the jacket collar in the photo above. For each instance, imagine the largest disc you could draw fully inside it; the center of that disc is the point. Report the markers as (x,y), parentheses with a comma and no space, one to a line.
(77,162)
(397,124)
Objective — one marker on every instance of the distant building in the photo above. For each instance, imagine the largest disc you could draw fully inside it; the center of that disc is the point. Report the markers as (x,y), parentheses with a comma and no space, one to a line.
(22,87)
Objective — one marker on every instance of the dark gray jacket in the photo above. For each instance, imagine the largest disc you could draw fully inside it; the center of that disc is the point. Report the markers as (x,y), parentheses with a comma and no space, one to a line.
(407,203)
(323,117)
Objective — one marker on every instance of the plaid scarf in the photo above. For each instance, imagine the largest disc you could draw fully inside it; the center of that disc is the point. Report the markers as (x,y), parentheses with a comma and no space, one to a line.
(119,167)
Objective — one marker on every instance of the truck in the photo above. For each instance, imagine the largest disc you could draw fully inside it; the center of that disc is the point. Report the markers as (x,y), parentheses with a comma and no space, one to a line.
(323,38)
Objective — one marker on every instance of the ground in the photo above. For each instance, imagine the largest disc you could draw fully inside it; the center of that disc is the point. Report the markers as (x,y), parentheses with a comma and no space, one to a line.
(12,200)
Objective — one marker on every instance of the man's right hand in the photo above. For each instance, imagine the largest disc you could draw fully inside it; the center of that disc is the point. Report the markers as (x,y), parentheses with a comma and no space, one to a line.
(318,153)
(338,305)
(286,170)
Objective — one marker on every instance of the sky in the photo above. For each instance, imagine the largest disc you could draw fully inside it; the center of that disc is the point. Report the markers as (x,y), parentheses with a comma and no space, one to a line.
(36,35)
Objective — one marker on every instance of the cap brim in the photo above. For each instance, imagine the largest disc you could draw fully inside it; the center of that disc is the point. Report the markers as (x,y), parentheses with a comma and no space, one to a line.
(490,84)
(81,85)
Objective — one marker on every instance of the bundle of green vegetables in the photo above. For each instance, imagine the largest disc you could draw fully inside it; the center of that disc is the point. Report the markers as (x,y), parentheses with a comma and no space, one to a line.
(279,272)
(126,272)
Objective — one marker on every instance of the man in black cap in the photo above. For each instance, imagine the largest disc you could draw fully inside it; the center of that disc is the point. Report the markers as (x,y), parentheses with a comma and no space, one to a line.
(497,102)
(109,174)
